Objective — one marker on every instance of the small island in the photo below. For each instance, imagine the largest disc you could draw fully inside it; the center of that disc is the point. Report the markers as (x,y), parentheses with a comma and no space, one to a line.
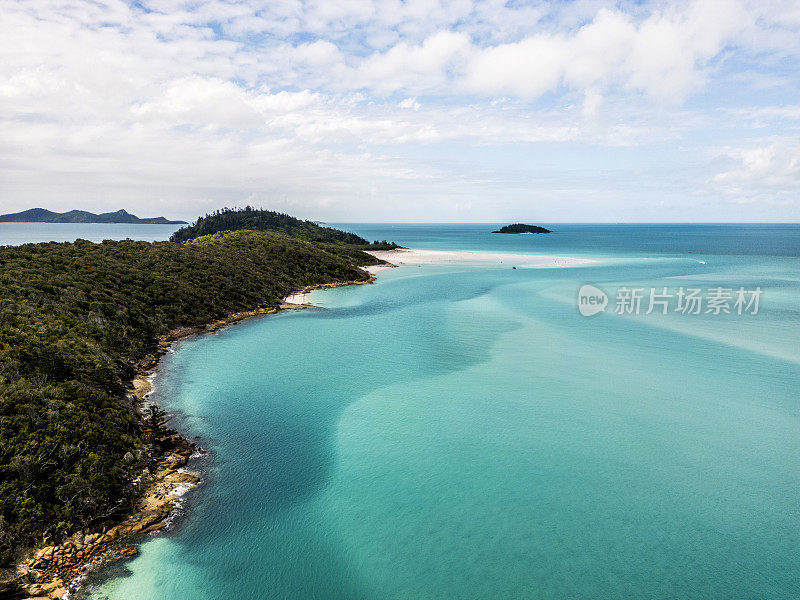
(42,215)
(522,228)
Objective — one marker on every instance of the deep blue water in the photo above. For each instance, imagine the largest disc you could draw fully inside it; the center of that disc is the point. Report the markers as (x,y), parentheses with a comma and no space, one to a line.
(461,431)
(775,239)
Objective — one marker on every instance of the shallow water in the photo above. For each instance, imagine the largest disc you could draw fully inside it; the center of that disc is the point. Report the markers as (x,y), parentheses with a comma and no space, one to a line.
(463,432)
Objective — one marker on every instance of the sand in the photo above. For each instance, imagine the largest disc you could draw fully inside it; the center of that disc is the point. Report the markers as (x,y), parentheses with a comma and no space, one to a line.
(441,257)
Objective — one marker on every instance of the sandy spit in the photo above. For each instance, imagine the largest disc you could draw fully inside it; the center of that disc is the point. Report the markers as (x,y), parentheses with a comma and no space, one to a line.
(441,257)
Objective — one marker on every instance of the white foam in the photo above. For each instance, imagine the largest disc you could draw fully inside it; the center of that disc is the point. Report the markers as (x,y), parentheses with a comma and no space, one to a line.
(180,490)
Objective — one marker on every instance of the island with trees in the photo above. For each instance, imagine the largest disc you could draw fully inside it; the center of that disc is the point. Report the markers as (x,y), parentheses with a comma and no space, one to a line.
(522,228)
(42,215)
(78,321)
(266,220)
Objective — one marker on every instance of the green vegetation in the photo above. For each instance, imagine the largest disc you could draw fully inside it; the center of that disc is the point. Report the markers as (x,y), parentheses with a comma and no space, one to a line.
(522,228)
(155,424)
(231,219)
(75,319)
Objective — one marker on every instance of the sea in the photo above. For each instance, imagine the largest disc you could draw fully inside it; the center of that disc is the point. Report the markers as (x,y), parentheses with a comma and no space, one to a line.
(14,234)
(479,431)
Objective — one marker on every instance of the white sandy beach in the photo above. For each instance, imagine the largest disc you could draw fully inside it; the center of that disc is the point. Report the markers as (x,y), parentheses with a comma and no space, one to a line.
(441,257)
(296,299)
(407,256)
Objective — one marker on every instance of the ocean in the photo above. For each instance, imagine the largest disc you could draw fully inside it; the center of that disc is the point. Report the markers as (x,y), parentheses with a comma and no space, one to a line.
(13,234)
(463,431)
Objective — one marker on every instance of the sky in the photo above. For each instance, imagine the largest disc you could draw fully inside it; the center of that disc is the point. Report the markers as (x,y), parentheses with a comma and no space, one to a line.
(417,110)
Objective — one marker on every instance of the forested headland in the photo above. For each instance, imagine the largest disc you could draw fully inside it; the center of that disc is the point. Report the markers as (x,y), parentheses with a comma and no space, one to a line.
(229,219)
(76,319)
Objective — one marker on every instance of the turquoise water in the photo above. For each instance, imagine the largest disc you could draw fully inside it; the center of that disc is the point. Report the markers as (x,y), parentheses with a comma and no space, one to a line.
(463,432)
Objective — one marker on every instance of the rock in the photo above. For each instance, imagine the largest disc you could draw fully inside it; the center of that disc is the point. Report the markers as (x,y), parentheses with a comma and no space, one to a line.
(45,553)
(149,519)
(175,460)
(53,585)
(47,569)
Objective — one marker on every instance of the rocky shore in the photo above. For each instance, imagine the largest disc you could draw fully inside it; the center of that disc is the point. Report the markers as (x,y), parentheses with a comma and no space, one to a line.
(54,571)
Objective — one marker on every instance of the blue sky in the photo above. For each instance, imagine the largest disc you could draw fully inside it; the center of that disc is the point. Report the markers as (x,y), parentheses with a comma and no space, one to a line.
(436,110)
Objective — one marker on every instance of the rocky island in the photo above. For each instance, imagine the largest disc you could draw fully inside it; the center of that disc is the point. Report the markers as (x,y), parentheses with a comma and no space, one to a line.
(522,228)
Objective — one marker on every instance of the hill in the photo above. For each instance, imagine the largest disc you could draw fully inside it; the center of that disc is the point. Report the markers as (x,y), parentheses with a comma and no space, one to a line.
(231,219)
(522,228)
(42,215)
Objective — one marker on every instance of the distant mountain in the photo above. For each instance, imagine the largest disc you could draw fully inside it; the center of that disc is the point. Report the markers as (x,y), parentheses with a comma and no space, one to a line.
(42,215)
(522,228)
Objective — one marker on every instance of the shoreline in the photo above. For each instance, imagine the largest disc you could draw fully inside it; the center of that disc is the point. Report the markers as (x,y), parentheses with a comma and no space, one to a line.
(56,572)
(409,256)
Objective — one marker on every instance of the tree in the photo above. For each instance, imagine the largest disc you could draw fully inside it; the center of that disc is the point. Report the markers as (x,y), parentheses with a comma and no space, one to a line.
(156,423)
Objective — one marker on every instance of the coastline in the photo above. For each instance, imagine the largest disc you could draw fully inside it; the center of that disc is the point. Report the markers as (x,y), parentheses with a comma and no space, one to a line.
(57,571)
(407,256)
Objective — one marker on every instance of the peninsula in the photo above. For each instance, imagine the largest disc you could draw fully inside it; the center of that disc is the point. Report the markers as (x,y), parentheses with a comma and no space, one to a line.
(82,322)
(42,215)
(522,228)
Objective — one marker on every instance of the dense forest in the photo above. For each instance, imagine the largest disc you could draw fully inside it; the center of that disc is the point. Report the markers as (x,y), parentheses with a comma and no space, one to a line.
(229,219)
(74,320)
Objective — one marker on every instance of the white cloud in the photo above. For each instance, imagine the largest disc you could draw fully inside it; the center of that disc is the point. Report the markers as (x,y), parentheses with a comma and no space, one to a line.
(663,55)
(528,68)
(787,116)
(775,166)
(200,101)
(592,101)
(328,98)
(406,66)
(410,103)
